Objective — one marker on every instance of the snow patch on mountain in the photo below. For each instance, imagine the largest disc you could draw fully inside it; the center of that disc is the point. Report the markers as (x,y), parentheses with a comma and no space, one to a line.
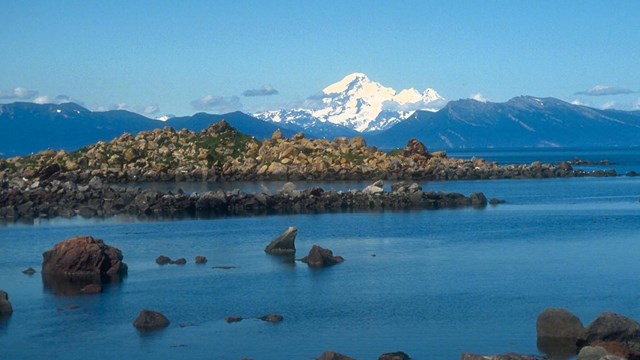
(357,103)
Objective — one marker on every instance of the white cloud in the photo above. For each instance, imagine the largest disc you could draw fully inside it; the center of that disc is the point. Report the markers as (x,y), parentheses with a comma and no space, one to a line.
(265,90)
(18,93)
(43,100)
(580,103)
(217,103)
(609,105)
(604,90)
(479,97)
(151,109)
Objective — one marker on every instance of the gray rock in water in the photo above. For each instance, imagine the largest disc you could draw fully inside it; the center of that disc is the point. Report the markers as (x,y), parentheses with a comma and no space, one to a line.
(284,244)
(150,320)
(201,259)
(5,306)
(29,271)
(272,318)
(163,260)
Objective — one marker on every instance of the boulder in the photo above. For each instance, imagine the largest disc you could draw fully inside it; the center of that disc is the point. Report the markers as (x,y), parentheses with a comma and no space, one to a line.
(609,326)
(284,244)
(557,331)
(398,355)
(331,355)
(5,306)
(201,259)
(83,257)
(150,320)
(375,188)
(320,257)
(272,318)
(163,260)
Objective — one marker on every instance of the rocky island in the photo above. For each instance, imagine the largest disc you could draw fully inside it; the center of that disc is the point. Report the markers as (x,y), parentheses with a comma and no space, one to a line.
(99,180)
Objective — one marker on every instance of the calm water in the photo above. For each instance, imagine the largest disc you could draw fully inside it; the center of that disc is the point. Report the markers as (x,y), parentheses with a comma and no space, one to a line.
(440,283)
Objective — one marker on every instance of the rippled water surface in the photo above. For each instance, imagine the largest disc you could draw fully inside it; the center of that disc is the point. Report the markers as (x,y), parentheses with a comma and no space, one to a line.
(431,283)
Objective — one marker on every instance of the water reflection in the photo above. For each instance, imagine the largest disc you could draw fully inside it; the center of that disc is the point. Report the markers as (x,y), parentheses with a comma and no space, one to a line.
(65,286)
(558,348)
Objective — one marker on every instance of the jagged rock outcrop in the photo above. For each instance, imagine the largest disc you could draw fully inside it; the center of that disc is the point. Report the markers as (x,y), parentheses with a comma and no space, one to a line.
(83,257)
(609,327)
(284,244)
(321,257)
(150,320)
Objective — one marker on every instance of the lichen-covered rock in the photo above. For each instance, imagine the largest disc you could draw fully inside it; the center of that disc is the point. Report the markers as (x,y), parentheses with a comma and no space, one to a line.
(321,257)
(83,257)
(285,243)
(150,320)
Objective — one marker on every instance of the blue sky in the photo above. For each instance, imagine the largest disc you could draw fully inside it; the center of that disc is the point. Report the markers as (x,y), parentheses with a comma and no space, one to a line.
(180,57)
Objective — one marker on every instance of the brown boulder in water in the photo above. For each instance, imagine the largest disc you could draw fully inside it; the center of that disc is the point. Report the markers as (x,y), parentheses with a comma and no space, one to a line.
(321,257)
(83,257)
(150,320)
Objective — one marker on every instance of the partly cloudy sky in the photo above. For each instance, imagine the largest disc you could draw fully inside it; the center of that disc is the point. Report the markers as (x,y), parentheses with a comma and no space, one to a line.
(499,49)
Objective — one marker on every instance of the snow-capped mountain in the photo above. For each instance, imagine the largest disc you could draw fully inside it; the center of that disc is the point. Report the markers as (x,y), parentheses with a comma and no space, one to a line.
(357,103)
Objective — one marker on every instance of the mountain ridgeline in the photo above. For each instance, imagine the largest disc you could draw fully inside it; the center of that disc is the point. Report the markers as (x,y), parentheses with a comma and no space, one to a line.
(522,122)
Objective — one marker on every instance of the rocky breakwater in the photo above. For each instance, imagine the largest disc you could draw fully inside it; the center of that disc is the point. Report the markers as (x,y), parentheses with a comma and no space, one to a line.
(221,153)
(29,199)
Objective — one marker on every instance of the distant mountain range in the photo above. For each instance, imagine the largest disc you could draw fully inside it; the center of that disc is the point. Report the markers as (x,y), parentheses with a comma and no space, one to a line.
(522,122)
(29,127)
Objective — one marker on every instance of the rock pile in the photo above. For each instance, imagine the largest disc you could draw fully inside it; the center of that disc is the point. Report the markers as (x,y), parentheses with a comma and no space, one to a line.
(30,199)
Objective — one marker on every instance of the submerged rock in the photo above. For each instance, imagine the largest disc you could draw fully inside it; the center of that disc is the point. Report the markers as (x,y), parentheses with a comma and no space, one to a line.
(398,355)
(91,289)
(150,320)
(233,319)
(331,355)
(284,244)
(272,318)
(29,271)
(321,257)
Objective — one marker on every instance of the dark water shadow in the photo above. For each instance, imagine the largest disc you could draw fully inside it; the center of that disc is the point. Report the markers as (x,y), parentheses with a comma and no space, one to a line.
(71,286)
(286,260)
(4,324)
